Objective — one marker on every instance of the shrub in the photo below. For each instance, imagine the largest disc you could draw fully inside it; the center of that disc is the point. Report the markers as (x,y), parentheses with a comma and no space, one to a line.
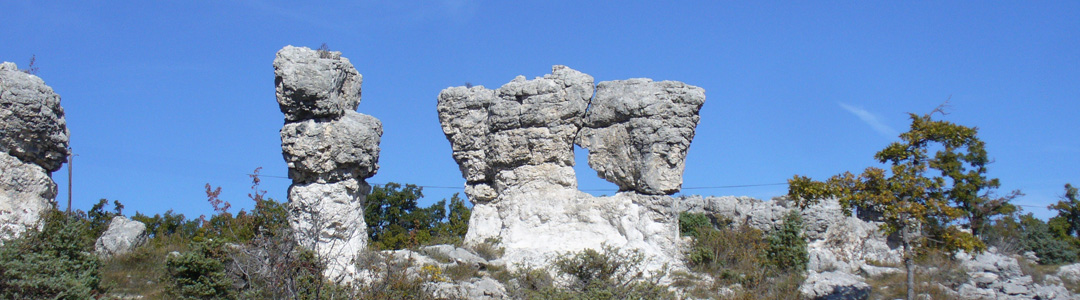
(199,273)
(738,257)
(1037,237)
(689,223)
(52,263)
(786,250)
(395,220)
(609,274)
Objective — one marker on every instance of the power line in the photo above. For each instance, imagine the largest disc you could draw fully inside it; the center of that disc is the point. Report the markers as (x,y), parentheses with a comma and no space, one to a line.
(584,190)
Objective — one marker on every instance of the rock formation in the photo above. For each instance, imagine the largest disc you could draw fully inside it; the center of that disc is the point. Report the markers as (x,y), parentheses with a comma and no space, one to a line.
(638,132)
(330,150)
(515,148)
(33,144)
(122,236)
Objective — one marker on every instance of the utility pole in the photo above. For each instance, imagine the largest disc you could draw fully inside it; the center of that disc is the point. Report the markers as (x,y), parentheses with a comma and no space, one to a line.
(71,161)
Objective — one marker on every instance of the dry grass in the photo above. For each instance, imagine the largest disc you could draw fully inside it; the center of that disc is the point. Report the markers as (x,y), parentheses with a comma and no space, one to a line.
(140,272)
(933,270)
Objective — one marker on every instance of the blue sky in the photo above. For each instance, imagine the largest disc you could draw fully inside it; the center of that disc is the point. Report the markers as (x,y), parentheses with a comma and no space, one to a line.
(163,97)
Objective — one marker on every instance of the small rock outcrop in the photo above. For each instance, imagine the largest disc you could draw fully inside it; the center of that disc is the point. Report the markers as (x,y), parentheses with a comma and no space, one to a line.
(834,286)
(638,132)
(330,150)
(33,144)
(515,148)
(992,275)
(122,236)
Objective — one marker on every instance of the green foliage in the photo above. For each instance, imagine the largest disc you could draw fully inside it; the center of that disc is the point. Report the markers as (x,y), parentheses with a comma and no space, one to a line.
(912,200)
(100,218)
(786,250)
(168,224)
(763,265)
(1067,220)
(1037,237)
(606,274)
(199,273)
(395,221)
(53,263)
(690,223)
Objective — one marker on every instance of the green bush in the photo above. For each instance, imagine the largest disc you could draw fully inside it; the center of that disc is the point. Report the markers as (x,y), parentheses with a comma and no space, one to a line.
(395,221)
(689,223)
(1037,237)
(199,273)
(786,250)
(607,274)
(739,256)
(53,263)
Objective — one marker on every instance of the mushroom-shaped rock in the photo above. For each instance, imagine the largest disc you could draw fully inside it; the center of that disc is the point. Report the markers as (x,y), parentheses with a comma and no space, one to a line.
(638,132)
(522,123)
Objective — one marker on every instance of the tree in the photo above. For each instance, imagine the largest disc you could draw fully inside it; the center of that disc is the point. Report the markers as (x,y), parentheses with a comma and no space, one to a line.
(1068,213)
(906,196)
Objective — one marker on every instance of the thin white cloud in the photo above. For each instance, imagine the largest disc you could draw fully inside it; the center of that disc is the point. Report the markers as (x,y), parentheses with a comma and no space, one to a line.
(872,120)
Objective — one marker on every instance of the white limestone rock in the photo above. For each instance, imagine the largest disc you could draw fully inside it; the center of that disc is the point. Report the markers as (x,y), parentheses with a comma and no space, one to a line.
(312,84)
(1069,272)
(26,191)
(638,132)
(328,218)
(523,123)
(484,288)
(122,236)
(32,124)
(536,223)
(331,151)
(834,286)
(836,242)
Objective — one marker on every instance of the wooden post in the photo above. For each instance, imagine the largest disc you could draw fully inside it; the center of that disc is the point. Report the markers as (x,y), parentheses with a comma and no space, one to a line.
(71,161)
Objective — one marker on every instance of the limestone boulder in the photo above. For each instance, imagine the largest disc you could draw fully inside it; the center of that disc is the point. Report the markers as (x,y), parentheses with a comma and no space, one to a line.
(834,286)
(638,132)
(122,236)
(32,124)
(314,84)
(331,151)
(26,191)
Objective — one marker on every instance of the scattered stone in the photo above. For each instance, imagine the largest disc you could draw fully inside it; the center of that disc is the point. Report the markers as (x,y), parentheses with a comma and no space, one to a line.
(1069,272)
(476,288)
(834,286)
(122,237)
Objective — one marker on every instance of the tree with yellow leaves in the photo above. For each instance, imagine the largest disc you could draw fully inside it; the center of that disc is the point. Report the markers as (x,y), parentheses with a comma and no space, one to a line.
(910,196)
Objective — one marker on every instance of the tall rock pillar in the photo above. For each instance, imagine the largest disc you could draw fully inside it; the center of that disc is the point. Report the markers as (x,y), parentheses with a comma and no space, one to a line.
(330,150)
(33,144)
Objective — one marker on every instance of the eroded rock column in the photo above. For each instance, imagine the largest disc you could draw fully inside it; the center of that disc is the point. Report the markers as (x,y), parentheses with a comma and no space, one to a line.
(33,144)
(330,150)
(515,148)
